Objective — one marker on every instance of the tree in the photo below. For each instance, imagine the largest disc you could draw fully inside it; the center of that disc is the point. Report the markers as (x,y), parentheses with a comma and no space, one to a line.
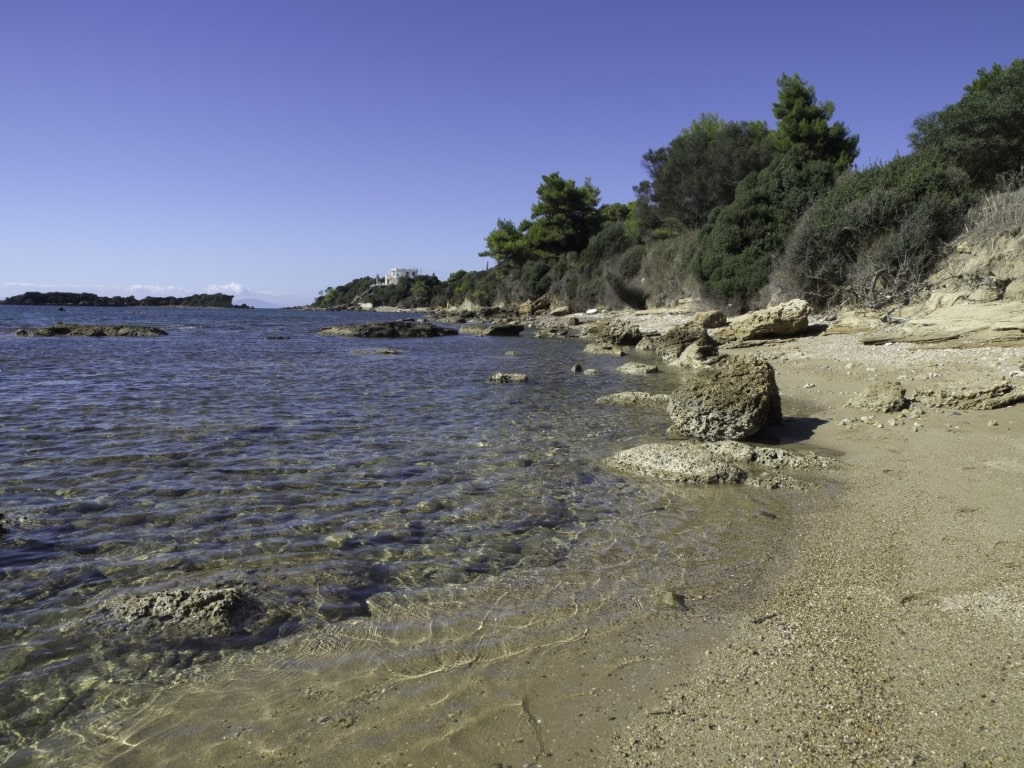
(983,131)
(565,216)
(507,245)
(699,170)
(741,242)
(804,120)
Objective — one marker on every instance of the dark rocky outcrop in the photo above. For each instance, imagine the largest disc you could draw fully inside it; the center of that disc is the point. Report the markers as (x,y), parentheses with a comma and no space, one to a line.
(493,329)
(732,400)
(62,329)
(396,329)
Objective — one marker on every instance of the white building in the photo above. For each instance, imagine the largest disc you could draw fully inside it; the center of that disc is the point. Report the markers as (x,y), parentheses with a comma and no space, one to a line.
(397,273)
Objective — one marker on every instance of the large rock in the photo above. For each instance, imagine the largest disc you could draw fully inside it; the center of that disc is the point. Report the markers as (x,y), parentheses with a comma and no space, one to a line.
(732,400)
(788,319)
(396,329)
(721,463)
(670,344)
(883,397)
(200,612)
(617,333)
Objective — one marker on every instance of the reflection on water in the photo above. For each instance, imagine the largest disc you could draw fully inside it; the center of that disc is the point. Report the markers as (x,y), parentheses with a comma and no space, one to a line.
(394,514)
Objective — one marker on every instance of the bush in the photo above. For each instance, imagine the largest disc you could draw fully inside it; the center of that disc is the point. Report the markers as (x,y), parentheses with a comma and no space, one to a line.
(740,243)
(875,236)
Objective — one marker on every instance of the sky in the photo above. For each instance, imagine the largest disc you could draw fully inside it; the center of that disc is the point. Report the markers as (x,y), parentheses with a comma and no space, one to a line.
(272,149)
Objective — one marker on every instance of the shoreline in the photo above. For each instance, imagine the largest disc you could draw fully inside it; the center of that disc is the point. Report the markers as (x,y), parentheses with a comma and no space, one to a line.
(882,626)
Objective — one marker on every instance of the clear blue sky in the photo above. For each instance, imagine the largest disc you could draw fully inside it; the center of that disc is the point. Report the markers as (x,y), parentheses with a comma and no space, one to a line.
(274,148)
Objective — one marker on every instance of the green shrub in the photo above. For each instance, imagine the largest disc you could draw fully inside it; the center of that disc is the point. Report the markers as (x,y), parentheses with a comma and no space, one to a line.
(875,236)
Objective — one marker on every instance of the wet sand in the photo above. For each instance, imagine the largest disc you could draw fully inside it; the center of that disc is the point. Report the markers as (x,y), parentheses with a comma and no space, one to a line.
(882,624)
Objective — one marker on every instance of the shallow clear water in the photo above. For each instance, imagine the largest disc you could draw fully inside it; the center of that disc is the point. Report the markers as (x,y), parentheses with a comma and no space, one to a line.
(328,480)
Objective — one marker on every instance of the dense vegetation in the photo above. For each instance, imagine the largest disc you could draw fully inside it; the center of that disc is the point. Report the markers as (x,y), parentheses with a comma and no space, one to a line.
(739,212)
(62,298)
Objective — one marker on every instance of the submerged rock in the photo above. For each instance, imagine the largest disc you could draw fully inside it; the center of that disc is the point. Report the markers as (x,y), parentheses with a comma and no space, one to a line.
(198,612)
(508,378)
(62,329)
(405,329)
(732,400)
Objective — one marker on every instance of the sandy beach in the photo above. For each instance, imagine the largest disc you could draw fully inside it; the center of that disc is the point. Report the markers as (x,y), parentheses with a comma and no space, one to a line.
(883,625)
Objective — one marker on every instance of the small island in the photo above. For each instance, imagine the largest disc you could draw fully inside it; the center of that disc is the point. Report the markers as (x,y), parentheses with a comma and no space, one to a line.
(62,298)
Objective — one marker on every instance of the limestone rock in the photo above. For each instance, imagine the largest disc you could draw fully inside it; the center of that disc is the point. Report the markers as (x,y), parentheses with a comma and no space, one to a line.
(671,344)
(635,398)
(788,319)
(396,329)
(883,397)
(638,369)
(615,333)
(712,319)
(508,378)
(731,400)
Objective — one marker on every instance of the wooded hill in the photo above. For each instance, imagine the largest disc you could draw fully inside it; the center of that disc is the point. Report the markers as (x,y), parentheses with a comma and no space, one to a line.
(739,213)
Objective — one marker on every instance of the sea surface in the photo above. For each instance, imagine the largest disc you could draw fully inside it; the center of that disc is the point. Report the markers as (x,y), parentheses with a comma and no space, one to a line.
(352,489)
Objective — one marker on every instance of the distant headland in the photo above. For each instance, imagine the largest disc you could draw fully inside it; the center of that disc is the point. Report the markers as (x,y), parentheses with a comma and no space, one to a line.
(61,298)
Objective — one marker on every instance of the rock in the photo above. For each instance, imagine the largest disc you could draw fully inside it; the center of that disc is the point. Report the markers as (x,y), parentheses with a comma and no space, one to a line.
(61,329)
(508,378)
(711,319)
(615,333)
(495,329)
(208,612)
(788,319)
(405,329)
(682,462)
(997,396)
(561,311)
(883,397)
(700,352)
(732,400)
(603,348)
(721,463)
(672,343)
(634,398)
(638,369)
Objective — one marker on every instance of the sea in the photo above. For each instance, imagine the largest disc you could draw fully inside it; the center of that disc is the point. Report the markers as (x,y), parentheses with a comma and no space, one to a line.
(378,502)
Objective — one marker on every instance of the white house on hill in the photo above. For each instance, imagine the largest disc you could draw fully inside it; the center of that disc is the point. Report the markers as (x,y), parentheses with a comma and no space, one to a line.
(397,273)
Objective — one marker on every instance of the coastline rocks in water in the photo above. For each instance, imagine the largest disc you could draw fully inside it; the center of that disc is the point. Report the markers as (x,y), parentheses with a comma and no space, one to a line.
(61,329)
(704,351)
(615,333)
(638,369)
(720,463)
(883,397)
(604,348)
(204,612)
(787,319)
(670,344)
(508,378)
(732,400)
(497,329)
(634,398)
(405,329)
